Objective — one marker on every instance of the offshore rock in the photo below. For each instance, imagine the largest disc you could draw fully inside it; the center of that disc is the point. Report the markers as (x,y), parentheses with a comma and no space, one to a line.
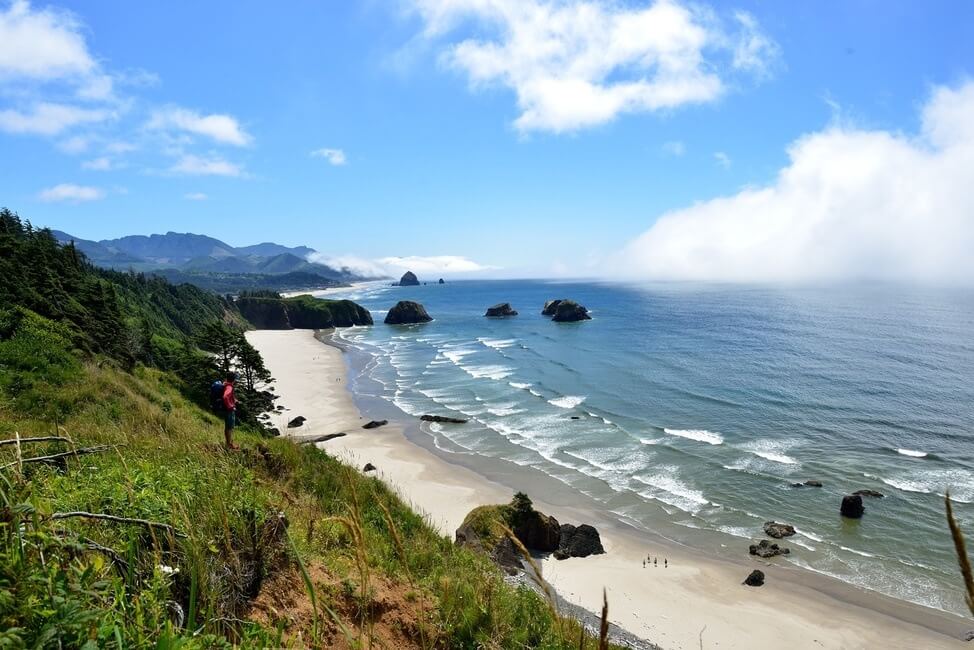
(776,530)
(408,279)
(569,311)
(500,310)
(549,307)
(852,506)
(407,312)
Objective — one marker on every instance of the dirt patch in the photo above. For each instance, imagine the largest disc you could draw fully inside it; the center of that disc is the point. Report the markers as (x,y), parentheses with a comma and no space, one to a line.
(391,617)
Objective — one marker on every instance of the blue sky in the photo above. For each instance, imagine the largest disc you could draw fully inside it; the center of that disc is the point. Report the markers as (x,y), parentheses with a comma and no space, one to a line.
(452,137)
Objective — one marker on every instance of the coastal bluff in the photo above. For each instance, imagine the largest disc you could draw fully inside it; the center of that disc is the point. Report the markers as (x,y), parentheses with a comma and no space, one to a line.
(269,310)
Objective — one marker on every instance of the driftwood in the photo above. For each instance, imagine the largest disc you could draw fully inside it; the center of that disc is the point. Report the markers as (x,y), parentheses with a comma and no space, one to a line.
(119,520)
(20,441)
(63,454)
(308,441)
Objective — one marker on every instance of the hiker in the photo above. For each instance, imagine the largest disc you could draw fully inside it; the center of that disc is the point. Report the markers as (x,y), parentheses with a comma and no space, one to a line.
(228,404)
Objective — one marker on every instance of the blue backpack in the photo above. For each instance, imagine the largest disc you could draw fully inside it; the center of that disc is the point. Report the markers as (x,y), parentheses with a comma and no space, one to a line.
(216,396)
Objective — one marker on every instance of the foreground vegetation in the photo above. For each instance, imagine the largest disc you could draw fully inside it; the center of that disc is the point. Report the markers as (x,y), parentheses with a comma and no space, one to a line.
(125,524)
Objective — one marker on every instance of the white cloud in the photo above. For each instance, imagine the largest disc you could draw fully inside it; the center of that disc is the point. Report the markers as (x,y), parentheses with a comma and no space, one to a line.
(71,193)
(851,204)
(722,159)
(195,196)
(48,118)
(42,44)
(219,127)
(334,156)
(674,148)
(198,166)
(754,51)
(579,63)
(430,266)
(101,164)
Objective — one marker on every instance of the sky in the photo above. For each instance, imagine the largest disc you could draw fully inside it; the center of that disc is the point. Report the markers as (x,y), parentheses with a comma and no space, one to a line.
(744,141)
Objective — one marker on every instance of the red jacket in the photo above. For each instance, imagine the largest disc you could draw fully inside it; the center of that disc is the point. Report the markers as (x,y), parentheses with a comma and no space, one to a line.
(229,399)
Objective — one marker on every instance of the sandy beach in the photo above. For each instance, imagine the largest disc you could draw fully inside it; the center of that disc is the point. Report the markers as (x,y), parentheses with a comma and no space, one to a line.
(697,601)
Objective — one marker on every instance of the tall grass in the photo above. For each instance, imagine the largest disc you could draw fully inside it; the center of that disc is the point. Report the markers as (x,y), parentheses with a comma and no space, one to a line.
(117,583)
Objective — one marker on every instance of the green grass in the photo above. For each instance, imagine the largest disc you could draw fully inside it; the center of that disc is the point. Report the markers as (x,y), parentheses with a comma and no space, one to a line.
(88,583)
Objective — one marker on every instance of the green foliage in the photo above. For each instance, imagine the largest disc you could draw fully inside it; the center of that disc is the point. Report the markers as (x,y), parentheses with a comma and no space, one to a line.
(267,310)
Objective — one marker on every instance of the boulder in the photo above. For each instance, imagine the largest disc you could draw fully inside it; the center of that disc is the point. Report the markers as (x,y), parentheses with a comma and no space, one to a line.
(441,281)
(777,530)
(500,310)
(576,417)
(869,493)
(578,541)
(807,484)
(369,467)
(408,279)
(375,424)
(296,422)
(767,549)
(549,307)
(504,553)
(442,418)
(407,312)
(537,531)
(755,579)
(569,311)
(852,506)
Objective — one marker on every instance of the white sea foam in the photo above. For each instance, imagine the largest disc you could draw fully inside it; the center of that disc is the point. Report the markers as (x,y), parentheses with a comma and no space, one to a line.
(567,402)
(498,344)
(456,356)
(773,450)
(911,453)
(852,550)
(488,372)
(515,384)
(777,458)
(700,435)
(501,412)
(809,535)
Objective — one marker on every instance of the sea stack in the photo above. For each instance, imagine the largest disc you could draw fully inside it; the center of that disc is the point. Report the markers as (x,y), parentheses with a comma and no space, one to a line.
(852,506)
(569,311)
(500,310)
(407,312)
(549,307)
(408,279)
(441,281)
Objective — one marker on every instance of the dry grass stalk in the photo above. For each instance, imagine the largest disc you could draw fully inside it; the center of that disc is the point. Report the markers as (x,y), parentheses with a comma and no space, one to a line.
(962,558)
(604,625)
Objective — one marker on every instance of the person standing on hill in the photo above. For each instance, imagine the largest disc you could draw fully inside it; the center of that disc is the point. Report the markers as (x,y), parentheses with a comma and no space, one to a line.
(230,409)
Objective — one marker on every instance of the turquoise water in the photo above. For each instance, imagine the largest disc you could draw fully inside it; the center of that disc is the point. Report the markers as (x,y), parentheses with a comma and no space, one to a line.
(698,406)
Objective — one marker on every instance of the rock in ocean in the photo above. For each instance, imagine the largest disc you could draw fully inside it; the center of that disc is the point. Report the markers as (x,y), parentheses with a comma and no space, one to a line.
(500,310)
(549,307)
(569,311)
(777,530)
(408,279)
(852,506)
(406,312)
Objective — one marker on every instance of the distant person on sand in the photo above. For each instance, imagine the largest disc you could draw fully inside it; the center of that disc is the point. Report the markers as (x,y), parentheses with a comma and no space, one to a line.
(230,409)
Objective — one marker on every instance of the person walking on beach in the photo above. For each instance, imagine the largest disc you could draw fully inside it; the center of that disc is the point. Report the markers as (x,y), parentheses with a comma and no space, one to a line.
(230,410)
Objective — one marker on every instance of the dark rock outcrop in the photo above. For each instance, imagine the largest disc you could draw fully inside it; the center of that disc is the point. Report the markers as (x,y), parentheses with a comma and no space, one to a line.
(767,549)
(407,312)
(869,493)
(537,531)
(375,424)
(296,422)
(549,307)
(852,506)
(272,312)
(408,279)
(500,310)
(807,484)
(755,579)
(777,530)
(578,541)
(569,311)
(369,467)
(504,554)
(442,418)
(441,281)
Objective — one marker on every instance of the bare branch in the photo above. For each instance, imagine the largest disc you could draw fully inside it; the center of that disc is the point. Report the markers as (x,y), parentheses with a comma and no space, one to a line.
(63,454)
(119,520)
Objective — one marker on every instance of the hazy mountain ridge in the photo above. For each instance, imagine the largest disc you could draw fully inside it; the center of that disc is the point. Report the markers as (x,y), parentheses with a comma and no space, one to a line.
(211,263)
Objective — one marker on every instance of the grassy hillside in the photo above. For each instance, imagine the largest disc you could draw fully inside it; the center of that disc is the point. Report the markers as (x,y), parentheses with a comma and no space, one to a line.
(124,523)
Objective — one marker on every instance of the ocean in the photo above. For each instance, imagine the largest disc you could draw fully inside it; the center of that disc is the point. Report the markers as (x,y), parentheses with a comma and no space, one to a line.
(696,407)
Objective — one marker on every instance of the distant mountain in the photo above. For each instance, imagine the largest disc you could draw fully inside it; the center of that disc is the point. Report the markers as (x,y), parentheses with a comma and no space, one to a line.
(267,249)
(208,262)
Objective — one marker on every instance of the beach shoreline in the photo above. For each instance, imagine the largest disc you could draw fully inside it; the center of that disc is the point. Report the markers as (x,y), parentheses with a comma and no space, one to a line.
(694,597)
